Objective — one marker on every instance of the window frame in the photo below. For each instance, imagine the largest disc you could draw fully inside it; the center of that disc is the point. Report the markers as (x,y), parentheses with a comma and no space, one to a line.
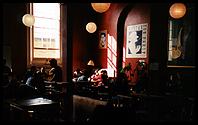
(30,44)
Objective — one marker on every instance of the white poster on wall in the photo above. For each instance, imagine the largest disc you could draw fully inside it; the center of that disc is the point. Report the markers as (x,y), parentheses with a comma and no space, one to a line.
(136,45)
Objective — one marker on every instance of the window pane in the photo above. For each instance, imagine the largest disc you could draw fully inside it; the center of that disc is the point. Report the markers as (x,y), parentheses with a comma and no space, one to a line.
(48,10)
(46,23)
(40,32)
(39,53)
(46,36)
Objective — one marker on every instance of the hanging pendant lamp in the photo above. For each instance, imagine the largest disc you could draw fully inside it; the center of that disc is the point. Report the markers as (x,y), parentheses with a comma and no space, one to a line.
(28,20)
(100,7)
(177,10)
(91,27)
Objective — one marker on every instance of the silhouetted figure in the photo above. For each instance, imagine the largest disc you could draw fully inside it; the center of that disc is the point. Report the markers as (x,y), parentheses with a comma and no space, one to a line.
(104,77)
(77,74)
(103,85)
(43,73)
(5,83)
(141,70)
(121,85)
(84,76)
(6,74)
(30,72)
(55,72)
(34,85)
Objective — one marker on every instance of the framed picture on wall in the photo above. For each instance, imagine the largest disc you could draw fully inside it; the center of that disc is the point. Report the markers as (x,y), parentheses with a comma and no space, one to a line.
(103,40)
(136,45)
(181,41)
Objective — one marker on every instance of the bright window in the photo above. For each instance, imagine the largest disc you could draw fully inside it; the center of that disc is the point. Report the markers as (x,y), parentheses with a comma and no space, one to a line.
(45,40)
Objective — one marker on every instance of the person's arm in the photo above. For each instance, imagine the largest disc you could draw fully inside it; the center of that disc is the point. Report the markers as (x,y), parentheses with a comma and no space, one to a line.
(51,75)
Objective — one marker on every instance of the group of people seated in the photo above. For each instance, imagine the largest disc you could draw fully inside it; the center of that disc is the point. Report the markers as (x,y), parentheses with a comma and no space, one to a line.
(101,83)
(99,76)
(33,80)
(54,74)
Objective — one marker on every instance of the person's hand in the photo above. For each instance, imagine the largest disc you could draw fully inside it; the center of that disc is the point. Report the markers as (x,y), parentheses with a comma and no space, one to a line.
(51,71)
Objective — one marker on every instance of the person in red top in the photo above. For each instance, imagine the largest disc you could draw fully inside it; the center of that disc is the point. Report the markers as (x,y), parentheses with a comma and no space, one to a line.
(96,76)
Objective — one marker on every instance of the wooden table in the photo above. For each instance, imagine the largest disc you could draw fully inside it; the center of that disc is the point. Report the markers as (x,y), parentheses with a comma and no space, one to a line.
(34,109)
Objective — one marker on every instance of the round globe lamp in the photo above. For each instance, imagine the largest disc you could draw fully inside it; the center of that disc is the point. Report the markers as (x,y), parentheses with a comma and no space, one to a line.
(177,10)
(28,20)
(91,27)
(100,7)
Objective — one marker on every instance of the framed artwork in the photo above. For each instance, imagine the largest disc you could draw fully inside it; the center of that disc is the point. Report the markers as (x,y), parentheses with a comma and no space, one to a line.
(181,42)
(136,45)
(103,40)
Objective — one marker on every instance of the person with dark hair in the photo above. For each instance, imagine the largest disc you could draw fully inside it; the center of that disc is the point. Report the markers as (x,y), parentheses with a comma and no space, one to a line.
(30,72)
(104,78)
(84,76)
(55,73)
(33,87)
(43,73)
(102,40)
(77,73)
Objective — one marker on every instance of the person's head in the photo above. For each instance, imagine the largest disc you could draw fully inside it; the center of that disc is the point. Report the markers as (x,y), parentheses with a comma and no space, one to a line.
(104,75)
(104,72)
(77,72)
(33,69)
(103,37)
(53,62)
(84,72)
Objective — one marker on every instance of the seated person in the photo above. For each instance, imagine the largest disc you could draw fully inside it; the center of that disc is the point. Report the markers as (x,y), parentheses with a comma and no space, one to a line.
(6,74)
(43,73)
(96,76)
(84,76)
(55,73)
(34,86)
(100,77)
(76,75)
(30,72)
(104,78)
(104,83)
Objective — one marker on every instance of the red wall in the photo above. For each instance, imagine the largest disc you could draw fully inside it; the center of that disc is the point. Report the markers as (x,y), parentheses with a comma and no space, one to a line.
(108,21)
(84,43)
(140,13)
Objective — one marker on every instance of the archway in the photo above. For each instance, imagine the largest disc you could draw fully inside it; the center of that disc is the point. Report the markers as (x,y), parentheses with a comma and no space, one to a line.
(120,35)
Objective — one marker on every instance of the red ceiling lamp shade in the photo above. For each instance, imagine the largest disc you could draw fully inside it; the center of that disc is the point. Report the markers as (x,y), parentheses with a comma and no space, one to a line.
(177,10)
(100,7)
